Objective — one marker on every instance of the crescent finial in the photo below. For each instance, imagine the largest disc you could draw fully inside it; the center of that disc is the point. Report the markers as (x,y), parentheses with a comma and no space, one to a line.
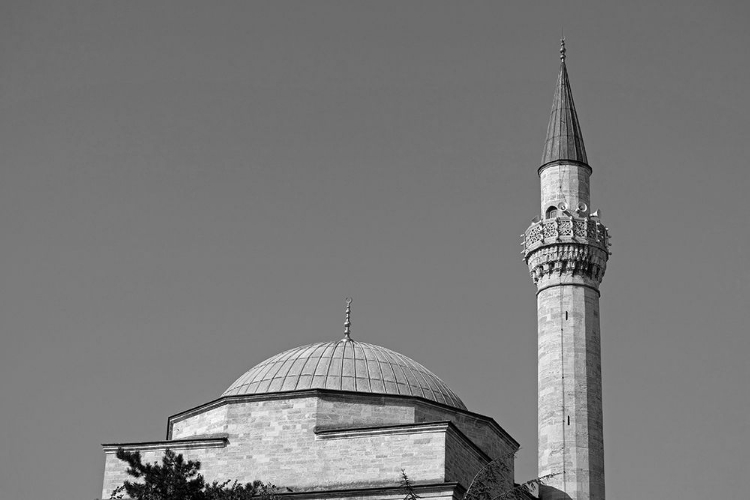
(562,49)
(347,321)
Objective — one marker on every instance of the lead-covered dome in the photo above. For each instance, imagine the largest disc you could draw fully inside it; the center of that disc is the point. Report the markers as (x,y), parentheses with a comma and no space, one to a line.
(345,365)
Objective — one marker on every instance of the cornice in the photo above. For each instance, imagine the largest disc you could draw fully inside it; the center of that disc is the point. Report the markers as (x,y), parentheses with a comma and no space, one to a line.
(425,489)
(335,393)
(443,426)
(212,441)
(565,162)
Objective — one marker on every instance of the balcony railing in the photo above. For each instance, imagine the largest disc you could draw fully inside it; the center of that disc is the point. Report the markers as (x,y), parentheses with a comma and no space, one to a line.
(588,231)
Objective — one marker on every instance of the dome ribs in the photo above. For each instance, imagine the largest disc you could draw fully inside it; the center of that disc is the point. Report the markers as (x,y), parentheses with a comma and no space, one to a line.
(362,377)
(402,370)
(283,373)
(292,376)
(315,358)
(420,371)
(260,374)
(348,377)
(359,367)
(373,364)
(333,377)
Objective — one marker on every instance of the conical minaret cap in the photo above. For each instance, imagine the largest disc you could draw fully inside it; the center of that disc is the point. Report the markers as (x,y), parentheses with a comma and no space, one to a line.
(564,136)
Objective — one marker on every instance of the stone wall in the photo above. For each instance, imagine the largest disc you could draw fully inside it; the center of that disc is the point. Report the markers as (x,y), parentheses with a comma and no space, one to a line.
(208,450)
(341,410)
(491,439)
(209,422)
(462,459)
(313,440)
(376,456)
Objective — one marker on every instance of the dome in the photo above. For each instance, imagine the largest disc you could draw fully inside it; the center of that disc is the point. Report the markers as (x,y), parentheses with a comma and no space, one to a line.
(345,365)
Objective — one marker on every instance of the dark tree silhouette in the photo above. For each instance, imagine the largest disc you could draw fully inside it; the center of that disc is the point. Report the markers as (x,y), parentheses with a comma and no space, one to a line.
(178,479)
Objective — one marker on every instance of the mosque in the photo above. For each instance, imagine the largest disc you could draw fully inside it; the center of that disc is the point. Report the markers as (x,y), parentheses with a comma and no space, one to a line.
(342,418)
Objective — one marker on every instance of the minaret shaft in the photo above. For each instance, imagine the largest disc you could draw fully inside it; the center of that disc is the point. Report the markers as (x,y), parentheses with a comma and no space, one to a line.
(567,252)
(564,183)
(570,393)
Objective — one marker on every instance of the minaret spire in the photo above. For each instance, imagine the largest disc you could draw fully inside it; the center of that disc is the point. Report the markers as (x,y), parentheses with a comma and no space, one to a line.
(564,136)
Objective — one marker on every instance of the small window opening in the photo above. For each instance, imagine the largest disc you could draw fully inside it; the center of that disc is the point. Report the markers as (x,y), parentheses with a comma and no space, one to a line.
(552,212)
(566,315)
(568,419)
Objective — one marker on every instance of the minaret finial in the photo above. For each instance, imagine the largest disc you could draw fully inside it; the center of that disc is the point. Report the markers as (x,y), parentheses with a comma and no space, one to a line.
(347,322)
(564,138)
(562,48)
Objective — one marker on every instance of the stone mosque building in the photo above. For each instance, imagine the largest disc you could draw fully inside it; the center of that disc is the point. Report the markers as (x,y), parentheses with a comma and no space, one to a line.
(341,418)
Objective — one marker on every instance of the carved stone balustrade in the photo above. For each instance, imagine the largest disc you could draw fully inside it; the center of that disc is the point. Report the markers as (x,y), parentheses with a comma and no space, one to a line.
(566,248)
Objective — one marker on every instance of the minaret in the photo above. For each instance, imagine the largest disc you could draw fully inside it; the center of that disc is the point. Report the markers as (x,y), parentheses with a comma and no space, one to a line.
(566,249)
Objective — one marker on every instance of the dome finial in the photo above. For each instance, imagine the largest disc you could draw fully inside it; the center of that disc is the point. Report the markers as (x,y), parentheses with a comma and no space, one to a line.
(347,322)
(562,48)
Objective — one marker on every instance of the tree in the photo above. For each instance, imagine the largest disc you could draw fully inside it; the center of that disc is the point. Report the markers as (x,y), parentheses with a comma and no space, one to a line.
(489,483)
(178,479)
(407,487)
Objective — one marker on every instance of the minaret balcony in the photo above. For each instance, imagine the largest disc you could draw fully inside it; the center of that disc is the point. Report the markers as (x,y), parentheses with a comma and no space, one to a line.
(580,230)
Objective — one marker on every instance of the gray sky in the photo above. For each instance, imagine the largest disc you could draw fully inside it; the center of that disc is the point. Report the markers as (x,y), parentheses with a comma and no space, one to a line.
(188,188)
